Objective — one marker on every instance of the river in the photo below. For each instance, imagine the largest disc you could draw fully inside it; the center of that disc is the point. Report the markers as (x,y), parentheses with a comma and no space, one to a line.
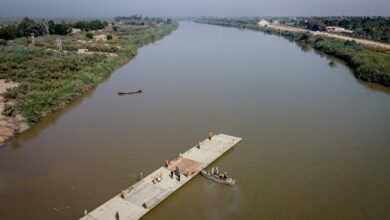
(316,141)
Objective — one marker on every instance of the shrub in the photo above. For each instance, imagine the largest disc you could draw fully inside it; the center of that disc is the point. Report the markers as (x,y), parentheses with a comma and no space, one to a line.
(350,43)
(8,110)
(109,37)
(89,35)
(10,93)
(304,37)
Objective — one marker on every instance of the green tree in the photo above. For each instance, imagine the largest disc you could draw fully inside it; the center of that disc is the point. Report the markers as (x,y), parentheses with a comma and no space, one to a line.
(80,25)
(60,29)
(109,37)
(28,26)
(90,25)
(25,25)
(51,25)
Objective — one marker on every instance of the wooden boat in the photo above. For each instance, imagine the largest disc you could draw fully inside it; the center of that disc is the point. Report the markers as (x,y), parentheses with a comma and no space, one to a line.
(129,93)
(216,178)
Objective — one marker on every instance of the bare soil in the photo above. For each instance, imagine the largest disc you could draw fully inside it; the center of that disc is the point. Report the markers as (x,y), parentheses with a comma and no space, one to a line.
(9,125)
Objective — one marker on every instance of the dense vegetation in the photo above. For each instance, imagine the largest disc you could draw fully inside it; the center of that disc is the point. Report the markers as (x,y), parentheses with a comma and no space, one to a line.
(90,25)
(369,64)
(26,27)
(48,78)
(9,32)
(59,28)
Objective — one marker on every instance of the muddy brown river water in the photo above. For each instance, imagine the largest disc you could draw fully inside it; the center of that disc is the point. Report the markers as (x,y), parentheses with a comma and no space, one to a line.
(316,141)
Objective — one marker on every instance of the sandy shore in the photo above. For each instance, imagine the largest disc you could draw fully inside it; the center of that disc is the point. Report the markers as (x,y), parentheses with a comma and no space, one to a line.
(337,36)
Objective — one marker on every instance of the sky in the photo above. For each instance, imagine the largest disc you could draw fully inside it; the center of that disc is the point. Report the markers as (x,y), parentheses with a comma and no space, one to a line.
(227,8)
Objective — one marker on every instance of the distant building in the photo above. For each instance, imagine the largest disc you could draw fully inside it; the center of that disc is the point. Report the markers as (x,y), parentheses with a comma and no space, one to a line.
(75,30)
(334,29)
(263,23)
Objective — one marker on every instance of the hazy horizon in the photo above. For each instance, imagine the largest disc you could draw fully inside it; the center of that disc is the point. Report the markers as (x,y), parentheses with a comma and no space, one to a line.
(177,8)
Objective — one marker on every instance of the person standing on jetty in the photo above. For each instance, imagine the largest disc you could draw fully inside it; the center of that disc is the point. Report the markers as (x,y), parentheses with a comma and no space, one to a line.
(210,135)
(177,172)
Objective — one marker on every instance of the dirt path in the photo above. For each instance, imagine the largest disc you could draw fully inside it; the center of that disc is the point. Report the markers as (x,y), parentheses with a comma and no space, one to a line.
(325,34)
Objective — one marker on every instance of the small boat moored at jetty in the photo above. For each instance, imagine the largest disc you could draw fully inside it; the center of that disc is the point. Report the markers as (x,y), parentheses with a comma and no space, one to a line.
(218,177)
(129,93)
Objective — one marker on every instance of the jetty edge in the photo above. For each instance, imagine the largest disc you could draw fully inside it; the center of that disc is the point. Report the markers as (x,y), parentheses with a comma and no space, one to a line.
(137,200)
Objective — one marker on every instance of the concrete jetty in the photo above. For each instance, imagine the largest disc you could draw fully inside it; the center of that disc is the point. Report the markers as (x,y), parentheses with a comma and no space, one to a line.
(135,201)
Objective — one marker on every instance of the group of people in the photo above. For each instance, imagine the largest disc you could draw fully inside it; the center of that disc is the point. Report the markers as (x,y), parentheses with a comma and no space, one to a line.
(176,173)
(223,176)
(215,172)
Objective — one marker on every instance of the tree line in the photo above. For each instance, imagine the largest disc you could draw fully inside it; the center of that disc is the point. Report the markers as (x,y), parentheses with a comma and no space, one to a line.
(140,20)
(26,27)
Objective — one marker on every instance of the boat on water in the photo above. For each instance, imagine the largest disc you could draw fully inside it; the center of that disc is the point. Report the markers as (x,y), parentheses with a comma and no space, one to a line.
(129,93)
(219,178)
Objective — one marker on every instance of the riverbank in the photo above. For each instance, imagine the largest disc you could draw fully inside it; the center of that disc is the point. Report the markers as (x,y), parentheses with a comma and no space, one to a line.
(9,124)
(368,63)
(47,79)
(330,35)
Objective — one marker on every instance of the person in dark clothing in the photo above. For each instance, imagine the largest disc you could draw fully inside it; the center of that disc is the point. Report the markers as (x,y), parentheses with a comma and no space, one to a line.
(144,205)
(171,174)
(177,171)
